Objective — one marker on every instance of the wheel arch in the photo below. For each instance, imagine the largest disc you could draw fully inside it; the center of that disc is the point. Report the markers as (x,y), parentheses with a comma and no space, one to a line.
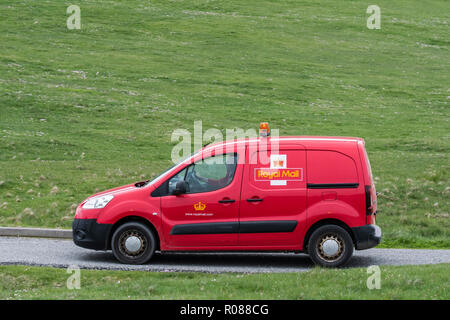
(323,222)
(135,219)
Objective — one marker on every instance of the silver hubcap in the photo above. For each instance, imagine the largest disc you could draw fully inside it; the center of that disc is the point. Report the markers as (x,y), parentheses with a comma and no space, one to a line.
(133,244)
(330,247)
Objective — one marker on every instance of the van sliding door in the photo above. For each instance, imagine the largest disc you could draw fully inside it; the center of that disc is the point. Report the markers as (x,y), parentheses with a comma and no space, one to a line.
(273,198)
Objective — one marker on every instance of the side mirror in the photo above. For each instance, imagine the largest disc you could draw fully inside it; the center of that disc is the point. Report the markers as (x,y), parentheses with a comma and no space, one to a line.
(180,188)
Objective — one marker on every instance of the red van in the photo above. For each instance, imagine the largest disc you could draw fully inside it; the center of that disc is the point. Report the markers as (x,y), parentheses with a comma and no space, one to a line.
(312,194)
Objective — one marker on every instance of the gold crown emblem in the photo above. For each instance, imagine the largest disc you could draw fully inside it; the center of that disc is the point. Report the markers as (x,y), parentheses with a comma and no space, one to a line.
(278,163)
(199,206)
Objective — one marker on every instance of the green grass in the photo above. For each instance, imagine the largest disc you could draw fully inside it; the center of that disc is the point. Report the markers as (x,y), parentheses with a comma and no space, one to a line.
(86,110)
(406,282)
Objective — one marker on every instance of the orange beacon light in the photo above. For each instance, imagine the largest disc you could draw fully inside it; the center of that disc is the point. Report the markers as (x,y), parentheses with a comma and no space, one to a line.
(264,130)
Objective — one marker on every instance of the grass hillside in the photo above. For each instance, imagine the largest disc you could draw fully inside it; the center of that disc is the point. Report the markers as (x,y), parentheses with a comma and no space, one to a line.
(86,110)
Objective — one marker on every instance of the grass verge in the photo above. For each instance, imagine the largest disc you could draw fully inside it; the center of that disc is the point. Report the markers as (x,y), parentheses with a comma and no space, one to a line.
(400,282)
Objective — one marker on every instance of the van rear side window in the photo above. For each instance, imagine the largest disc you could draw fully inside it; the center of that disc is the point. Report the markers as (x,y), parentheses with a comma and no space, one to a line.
(330,167)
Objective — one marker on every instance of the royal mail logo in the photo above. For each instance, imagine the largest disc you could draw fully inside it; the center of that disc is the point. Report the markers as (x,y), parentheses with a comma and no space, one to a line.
(287,174)
(278,163)
(199,206)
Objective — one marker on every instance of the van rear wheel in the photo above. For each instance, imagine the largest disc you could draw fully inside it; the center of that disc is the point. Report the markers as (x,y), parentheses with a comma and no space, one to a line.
(133,243)
(330,246)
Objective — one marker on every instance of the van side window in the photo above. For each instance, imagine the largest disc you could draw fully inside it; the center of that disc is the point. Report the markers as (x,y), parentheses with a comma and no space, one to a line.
(330,167)
(210,174)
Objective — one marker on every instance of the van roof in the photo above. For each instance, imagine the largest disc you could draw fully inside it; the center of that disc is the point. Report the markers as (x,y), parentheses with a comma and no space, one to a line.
(307,141)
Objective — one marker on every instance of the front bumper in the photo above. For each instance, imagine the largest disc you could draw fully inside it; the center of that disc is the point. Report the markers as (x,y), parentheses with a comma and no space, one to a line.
(87,233)
(367,236)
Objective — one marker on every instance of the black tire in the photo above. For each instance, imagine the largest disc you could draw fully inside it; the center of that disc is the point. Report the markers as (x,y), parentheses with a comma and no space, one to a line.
(134,230)
(339,237)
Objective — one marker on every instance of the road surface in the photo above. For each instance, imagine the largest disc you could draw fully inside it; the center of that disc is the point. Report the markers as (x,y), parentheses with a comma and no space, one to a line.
(62,253)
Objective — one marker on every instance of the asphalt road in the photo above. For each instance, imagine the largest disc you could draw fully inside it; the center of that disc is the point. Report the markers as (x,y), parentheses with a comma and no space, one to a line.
(62,253)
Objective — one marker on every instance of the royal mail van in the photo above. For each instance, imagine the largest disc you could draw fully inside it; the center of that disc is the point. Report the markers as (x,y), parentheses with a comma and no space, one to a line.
(314,195)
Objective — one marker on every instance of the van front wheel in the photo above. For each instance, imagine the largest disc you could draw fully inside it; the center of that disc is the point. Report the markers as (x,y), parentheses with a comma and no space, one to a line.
(133,243)
(330,246)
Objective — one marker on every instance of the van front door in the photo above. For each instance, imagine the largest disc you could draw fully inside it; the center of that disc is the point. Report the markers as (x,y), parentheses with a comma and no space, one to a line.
(273,202)
(207,214)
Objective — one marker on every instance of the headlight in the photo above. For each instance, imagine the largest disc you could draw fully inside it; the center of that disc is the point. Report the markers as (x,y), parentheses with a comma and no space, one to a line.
(98,202)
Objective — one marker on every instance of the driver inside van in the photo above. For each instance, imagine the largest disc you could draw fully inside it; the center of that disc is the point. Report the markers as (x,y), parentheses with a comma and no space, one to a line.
(207,176)
(215,184)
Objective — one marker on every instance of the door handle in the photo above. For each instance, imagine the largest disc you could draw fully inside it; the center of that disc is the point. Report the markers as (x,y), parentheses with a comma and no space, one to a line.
(226,201)
(255,200)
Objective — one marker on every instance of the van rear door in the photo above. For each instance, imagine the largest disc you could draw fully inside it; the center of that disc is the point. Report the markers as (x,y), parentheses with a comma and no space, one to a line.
(371,193)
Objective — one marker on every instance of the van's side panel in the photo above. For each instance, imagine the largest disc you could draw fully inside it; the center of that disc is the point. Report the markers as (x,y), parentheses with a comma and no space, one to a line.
(335,182)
